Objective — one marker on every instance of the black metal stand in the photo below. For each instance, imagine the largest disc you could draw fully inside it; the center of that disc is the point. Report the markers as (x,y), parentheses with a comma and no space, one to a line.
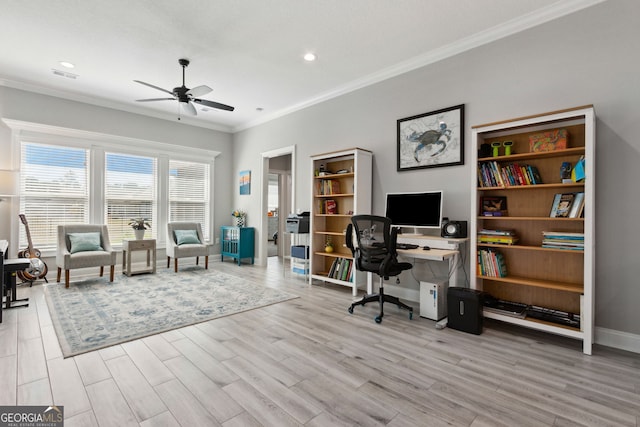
(10,299)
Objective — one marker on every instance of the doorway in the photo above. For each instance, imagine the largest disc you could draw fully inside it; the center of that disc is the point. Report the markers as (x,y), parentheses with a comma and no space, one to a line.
(276,203)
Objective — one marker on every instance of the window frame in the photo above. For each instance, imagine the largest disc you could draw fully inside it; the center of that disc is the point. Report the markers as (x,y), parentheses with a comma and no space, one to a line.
(98,144)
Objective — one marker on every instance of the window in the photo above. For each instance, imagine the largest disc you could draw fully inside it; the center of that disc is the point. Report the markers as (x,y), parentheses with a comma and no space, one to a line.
(189,193)
(71,176)
(130,192)
(54,184)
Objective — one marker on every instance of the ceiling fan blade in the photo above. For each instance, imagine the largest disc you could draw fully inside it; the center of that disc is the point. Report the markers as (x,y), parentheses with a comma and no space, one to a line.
(188,108)
(213,104)
(199,90)
(155,87)
(155,99)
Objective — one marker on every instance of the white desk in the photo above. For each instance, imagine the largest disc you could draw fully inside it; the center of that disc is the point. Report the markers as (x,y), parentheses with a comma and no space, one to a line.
(450,252)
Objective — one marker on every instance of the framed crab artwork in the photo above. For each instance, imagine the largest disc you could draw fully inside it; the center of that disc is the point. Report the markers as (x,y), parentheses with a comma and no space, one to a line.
(432,139)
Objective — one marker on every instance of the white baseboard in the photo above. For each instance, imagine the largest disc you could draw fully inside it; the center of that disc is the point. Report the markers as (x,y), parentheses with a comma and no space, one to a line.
(617,339)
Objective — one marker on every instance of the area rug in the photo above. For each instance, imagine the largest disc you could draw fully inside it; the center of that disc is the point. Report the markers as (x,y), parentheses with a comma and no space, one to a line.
(94,313)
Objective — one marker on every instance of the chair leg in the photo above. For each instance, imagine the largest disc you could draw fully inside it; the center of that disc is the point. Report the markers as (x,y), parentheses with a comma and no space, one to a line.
(66,278)
(59,274)
(197,260)
(112,272)
(101,270)
(168,261)
(206,262)
(175,263)
(381,298)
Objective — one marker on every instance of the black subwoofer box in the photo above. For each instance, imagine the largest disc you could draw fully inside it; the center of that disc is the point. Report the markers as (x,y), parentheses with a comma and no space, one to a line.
(464,306)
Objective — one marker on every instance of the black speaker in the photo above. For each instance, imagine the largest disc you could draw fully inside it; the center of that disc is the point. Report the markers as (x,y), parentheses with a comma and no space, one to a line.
(454,229)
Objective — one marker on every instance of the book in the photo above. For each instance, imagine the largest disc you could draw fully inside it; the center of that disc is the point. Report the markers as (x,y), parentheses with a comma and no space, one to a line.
(548,141)
(490,232)
(577,206)
(561,206)
(494,206)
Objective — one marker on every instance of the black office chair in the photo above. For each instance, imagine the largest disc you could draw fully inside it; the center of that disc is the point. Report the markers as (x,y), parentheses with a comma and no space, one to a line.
(376,252)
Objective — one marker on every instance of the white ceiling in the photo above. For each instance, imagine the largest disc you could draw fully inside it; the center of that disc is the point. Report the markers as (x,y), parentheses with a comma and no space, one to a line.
(249,51)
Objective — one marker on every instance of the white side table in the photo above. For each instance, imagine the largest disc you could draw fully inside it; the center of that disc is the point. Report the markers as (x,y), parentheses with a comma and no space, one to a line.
(129,246)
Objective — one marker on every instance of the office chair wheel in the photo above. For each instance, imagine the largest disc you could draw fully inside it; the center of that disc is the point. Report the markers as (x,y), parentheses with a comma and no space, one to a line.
(378,319)
(350,310)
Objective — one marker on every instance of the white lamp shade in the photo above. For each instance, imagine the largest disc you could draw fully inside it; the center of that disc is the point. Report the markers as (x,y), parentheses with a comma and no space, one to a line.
(8,183)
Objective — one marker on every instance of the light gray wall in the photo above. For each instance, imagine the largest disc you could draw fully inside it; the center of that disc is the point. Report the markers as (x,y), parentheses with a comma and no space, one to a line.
(589,57)
(31,107)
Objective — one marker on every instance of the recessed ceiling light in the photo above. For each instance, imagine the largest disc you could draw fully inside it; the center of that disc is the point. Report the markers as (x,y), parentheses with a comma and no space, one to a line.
(67,64)
(259,109)
(309,57)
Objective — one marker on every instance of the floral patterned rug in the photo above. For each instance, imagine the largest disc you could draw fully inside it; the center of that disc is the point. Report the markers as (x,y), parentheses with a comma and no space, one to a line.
(93,313)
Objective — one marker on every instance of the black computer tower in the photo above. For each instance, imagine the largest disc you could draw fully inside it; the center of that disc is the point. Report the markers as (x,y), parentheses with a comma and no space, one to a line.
(464,308)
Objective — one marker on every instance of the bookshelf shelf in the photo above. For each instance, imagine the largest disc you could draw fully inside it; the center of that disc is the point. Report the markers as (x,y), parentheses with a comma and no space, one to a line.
(530,156)
(351,192)
(329,196)
(546,284)
(551,278)
(528,218)
(527,248)
(534,187)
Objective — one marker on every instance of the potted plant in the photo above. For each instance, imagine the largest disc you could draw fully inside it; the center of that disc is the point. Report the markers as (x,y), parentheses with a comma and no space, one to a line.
(328,246)
(240,216)
(139,226)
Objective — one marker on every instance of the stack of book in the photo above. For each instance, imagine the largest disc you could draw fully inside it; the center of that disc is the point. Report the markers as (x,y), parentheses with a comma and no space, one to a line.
(503,237)
(327,187)
(341,269)
(491,263)
(563,240)
(492,174)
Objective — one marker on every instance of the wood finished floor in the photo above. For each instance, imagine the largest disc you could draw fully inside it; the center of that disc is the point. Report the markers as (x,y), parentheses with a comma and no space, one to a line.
(308,362)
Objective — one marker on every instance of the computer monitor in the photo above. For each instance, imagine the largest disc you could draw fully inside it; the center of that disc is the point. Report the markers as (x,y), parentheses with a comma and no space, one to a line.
(418,210)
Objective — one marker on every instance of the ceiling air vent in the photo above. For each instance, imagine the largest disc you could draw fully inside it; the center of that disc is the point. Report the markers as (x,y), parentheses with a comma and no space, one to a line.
(64,74)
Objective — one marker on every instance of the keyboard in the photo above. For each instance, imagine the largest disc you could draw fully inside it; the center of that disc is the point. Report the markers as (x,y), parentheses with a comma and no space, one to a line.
(406,246)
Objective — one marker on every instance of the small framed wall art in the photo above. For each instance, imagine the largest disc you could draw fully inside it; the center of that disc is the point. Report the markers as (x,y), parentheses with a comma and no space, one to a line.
(432,139)
(245,182)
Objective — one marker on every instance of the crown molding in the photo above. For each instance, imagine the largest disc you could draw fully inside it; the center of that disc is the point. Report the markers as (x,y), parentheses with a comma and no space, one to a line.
(501,31)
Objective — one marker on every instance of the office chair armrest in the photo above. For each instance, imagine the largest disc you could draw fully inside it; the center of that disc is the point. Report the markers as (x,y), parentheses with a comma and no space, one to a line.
(393,240)
(348,237)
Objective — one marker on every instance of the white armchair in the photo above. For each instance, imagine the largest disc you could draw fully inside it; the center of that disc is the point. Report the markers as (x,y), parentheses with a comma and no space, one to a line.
(185,239)
(82,246)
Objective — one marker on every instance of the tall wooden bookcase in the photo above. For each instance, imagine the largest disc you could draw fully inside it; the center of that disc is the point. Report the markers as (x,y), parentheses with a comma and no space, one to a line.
(340,188)
(557,279)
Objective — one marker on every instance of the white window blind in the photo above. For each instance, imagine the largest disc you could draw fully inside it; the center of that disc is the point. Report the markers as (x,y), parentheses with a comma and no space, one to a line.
(130,192)
(54,184)
(189,193)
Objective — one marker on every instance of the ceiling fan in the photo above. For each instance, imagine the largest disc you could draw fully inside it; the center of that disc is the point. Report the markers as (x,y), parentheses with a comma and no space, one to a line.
(186,96)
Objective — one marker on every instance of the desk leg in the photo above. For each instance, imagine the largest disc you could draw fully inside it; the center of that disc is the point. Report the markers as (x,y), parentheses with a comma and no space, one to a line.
(369,283)
(453,269)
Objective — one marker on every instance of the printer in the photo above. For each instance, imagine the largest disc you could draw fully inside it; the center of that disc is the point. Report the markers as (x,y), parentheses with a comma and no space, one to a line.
(298,223)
